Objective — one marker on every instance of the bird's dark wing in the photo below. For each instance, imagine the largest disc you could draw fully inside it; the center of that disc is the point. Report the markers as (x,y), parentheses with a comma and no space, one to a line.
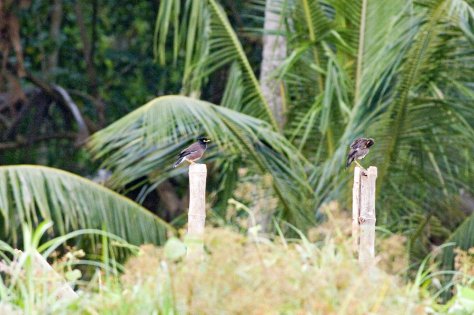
(351,156)
(352,152)
(355,147)
(191,149)
(357,143)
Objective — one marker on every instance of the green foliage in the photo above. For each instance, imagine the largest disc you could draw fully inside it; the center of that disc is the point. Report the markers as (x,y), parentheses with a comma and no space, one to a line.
(122,49)
(462,238)
(29,286)
(398,71)
(32,194)
(374,68)
(247,275)
(463,302)
(214,46)
(365,68)
(238,274)
(146,142)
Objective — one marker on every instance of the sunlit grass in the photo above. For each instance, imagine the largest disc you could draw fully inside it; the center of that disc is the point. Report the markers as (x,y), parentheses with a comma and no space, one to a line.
(239,274)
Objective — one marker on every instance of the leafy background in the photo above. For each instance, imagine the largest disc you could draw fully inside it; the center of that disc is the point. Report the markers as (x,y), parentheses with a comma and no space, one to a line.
(116,89)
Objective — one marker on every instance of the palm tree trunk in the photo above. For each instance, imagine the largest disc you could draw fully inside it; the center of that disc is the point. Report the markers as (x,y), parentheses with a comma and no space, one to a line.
(274,52)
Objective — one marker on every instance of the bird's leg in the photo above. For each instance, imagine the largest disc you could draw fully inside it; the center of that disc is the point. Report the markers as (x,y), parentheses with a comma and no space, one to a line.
(363,169)
(189,161)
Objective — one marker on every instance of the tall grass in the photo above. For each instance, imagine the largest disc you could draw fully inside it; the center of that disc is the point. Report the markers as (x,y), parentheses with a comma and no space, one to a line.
(27,288)
(240,274)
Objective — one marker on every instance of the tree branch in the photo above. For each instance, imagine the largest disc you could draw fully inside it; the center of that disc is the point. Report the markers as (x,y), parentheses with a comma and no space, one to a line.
(67,100)
(60,95)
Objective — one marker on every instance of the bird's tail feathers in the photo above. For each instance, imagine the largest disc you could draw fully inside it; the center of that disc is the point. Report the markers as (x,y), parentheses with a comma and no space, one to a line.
(349,161)
(179,161)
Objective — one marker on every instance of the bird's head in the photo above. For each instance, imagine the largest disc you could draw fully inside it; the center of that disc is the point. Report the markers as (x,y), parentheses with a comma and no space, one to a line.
(203,139)
(369,142)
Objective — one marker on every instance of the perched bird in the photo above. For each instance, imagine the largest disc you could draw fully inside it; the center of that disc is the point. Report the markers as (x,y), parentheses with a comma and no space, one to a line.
(359,149)
(194,152)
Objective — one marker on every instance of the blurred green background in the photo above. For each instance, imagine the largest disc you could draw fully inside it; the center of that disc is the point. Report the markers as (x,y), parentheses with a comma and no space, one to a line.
(281,87)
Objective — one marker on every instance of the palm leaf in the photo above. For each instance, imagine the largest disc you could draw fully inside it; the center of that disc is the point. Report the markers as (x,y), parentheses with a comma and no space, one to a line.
(145,144)
(32,194)
(216,46)
(367,62)
(415,69)
(316,26)
(225,48)
(395,70)
(462,238)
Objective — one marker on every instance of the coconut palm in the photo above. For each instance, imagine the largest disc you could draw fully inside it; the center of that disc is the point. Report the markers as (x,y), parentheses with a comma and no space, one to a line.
(381,77)
(144,144)
(32,194)
(397,71)
(273,54)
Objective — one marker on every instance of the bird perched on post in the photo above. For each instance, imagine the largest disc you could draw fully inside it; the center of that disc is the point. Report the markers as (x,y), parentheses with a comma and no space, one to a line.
(359,149)
(194,152)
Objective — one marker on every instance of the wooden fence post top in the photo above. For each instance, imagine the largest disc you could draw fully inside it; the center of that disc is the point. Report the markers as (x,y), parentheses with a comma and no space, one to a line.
(363,214)
(197,210)
(198,168)
(357,171)
(372,171)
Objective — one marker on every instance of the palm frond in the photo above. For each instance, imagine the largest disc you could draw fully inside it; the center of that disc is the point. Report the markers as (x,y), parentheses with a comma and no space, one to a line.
(219,46)
(32,194)
(317,25)
(225,48)
(233,93)
(190,37)
(395,70)
(462,238)
(145,144)
(415,77)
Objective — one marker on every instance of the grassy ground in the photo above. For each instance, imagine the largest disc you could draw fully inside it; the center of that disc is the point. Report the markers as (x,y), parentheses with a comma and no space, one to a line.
(244,274)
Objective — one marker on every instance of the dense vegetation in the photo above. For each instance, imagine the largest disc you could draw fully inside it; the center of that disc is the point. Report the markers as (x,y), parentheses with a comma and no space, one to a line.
(251,274)
(112,90)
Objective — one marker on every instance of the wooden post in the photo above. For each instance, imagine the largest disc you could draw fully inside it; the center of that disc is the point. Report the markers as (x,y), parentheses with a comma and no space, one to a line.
(355,209)
(364,207)
(197,209)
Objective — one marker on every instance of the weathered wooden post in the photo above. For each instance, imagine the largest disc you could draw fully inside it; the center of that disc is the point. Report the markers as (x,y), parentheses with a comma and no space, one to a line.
(363,214)
(355,210)
(197,209)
